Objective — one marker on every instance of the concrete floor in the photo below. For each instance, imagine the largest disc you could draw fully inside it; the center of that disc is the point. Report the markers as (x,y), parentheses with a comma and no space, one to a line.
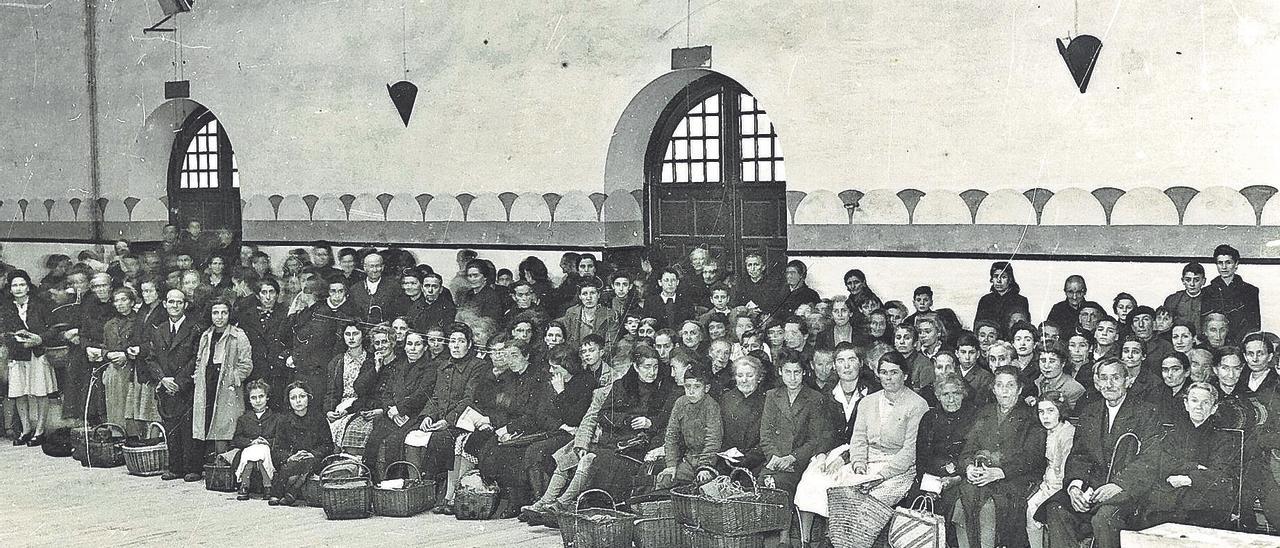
(55,502)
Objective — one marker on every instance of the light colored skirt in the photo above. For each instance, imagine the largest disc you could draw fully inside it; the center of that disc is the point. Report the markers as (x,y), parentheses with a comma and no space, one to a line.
(33,377)
(140,402)
(811,493)
(116,382)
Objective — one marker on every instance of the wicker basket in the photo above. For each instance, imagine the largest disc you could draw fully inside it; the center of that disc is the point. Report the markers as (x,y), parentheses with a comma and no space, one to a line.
(417,496)
(343,496)
(219,476)
(151,460)
(311,487)
(656,525)
(762,511)
(856,518)
(473,504)
(105,447)
(694,537)
(596,527)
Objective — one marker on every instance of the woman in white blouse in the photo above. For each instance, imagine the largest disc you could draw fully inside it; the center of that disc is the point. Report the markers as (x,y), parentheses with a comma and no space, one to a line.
(882,448)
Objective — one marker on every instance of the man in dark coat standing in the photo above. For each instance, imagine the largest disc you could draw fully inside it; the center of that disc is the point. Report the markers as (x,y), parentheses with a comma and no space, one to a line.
(169,357)
(1231,295)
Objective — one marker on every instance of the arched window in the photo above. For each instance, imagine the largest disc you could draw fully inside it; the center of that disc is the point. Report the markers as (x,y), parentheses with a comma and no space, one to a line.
(715,175)
(204,180)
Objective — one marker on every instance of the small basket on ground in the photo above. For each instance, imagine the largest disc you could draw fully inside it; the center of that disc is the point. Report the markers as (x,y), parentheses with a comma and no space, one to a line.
(311,487)
(219,476)
(656,525)
(148,460)
(105,446)
(343,495)
(596,527)
(474,504)
(417,495)
(758,510)
(856,518)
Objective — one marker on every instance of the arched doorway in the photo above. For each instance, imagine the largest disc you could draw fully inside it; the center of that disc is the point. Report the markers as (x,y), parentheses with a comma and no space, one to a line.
(203,179)
(714,176)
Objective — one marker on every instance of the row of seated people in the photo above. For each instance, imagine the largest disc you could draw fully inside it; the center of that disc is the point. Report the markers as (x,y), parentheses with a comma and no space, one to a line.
(301,347)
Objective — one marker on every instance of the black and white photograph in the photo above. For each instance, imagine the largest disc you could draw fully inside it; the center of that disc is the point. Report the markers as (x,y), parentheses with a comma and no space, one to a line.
(640,274)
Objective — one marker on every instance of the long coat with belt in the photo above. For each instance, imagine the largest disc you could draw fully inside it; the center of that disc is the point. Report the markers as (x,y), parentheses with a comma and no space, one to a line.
(233,355)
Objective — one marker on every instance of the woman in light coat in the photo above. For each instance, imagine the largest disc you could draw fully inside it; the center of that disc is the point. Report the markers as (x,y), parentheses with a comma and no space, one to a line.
(224,360)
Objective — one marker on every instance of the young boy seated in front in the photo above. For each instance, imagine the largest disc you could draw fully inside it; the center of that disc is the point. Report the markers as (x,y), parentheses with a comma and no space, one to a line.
(693,433)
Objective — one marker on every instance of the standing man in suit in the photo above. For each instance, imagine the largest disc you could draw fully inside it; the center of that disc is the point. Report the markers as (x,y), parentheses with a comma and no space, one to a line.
(1090,502)
(170,356)
(375,298)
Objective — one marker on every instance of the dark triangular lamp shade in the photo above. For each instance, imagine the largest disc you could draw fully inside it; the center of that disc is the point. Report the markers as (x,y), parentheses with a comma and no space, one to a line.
(402,95)
(1081,54)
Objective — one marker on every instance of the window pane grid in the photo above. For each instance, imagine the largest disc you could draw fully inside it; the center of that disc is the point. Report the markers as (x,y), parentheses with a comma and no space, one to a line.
(761,154)
(201,168)
(693,151)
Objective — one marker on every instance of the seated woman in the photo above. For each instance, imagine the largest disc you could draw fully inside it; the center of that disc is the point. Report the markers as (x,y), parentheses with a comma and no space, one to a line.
(563,414)
(1054,379)
(622,418)
(940,440)
(631,423)
(1003,456)
(302,441)
(722,371)
(944,363)
(1169,397)
(256,431)
(341,391)
(792,430)
(454,391)
(693,435)
(881,449)
(1052,409)
(402,389)
(741,409)
(511,396)
(1079,364)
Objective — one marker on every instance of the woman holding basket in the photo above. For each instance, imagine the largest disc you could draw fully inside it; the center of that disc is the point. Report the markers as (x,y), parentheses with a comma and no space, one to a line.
(880,457)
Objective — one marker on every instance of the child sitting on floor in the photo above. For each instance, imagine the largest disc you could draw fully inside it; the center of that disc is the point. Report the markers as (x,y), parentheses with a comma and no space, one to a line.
(256,431)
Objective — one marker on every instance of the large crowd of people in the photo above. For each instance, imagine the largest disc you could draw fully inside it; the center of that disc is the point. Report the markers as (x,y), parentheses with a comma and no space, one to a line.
(640,377)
